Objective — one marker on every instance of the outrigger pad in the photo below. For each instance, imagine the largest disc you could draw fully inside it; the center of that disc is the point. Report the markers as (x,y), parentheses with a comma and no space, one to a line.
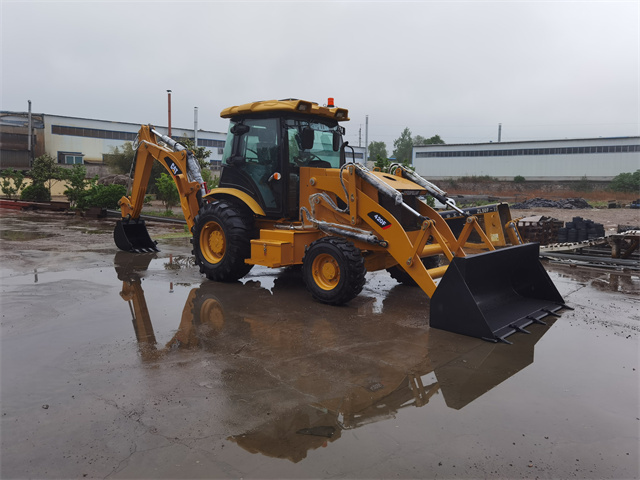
(132,236)
(494,294)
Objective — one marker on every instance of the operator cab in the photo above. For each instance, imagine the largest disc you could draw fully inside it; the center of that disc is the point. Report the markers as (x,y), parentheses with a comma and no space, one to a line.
(266,147)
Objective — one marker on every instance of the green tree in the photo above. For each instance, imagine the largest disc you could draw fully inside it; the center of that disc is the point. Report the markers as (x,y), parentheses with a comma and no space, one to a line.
(46,172)
(378,154)
(403,147)
(626,182)
(167,191)
(76,184)
(12,182)
(584,185)
(435,140)
(36,192)
(102,196)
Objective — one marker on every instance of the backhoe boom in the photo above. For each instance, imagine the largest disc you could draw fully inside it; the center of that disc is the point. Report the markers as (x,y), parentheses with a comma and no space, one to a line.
(130,233)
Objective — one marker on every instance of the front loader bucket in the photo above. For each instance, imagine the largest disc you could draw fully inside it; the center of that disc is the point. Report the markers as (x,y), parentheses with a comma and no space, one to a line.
(494,294)
(132,236)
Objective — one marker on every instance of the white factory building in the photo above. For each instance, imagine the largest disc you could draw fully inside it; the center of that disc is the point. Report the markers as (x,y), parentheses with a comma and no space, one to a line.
(570,159)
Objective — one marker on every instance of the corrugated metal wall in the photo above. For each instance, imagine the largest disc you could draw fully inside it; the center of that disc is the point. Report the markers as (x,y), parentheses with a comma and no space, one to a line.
(18,159)
(574,159)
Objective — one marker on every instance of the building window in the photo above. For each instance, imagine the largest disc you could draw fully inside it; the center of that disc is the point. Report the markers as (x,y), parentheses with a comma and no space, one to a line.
(70,158)
(531,151)
(205,142)
(92,133)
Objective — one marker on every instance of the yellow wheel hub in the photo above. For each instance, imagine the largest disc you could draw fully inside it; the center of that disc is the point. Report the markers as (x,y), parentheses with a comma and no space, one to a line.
(326,271)
(213,243)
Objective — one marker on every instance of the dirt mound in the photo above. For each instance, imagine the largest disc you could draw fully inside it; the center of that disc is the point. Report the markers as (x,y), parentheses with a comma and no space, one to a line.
(566,203)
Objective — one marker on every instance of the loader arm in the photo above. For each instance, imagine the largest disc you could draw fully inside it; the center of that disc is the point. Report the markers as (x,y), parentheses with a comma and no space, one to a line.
(130,233)
(489,295)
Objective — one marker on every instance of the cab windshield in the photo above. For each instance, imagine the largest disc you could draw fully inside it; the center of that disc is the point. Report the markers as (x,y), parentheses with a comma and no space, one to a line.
(321,154)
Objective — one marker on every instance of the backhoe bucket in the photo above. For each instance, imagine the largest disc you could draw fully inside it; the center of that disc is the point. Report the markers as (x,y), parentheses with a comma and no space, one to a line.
(494,294)
(132,236)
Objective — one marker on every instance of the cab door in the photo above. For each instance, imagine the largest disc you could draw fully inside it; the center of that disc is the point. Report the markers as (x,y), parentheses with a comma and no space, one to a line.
(254,158)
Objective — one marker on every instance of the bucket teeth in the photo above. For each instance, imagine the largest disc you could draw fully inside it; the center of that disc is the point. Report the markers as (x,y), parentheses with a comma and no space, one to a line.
(518,328)
(535,320)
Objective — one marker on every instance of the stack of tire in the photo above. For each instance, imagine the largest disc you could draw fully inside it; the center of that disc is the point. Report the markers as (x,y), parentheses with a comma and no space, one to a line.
(579,230)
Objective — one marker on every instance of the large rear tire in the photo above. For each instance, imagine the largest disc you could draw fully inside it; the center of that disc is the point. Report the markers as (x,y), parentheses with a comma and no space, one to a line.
(222,241)
(333,270)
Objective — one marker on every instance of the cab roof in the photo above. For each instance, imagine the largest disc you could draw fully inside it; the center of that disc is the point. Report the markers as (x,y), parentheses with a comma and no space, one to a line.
(291,105)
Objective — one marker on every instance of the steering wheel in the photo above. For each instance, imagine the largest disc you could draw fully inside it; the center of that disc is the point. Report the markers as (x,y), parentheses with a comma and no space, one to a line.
(305,158)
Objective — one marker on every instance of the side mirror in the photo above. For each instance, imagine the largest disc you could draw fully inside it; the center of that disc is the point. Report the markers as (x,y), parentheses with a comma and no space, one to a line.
(337,141)
(307,139)
(239,129)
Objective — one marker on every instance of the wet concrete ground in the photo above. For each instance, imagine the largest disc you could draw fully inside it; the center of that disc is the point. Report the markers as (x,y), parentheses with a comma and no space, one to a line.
(122,366)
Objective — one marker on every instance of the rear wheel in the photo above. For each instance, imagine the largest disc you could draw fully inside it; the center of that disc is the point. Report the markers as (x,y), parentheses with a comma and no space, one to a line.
(333,270)
(222,241)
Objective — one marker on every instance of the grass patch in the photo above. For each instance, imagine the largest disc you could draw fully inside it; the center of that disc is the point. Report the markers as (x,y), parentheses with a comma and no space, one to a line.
(174,235)
(477,179)
(163,214)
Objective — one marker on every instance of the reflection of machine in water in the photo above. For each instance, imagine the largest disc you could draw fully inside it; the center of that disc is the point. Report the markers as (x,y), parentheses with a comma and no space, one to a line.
(331,374)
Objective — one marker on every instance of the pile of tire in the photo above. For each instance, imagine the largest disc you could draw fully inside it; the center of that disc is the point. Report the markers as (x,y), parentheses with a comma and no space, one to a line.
(579,230)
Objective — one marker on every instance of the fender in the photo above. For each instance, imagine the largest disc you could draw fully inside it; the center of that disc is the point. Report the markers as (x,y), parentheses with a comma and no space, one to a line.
(248,200)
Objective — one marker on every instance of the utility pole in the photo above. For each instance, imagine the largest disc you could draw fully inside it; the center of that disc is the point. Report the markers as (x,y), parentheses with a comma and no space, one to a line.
(195,127)
(29,139)
(169,100)
(366,140)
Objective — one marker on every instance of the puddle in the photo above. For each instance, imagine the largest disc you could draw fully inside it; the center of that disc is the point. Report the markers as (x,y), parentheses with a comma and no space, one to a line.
(23,236)
(149,370)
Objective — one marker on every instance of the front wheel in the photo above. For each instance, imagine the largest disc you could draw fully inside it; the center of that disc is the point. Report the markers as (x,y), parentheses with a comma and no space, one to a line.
(222,241)
(333,270)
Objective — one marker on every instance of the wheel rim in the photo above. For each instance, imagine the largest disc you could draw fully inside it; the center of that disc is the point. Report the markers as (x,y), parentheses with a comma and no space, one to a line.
(213,243)
(326,271)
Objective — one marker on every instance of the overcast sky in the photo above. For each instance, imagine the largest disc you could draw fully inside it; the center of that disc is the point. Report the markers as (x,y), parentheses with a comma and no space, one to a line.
(544,70)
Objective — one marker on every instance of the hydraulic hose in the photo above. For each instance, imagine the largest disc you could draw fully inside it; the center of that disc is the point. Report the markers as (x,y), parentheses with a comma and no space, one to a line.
(433,190)
(193,168)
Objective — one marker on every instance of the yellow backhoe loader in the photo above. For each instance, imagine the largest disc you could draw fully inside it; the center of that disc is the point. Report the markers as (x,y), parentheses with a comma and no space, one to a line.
(288,195)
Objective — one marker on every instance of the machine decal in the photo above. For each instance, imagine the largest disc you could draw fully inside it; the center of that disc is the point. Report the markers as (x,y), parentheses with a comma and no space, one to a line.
(172,166)
(380,220)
